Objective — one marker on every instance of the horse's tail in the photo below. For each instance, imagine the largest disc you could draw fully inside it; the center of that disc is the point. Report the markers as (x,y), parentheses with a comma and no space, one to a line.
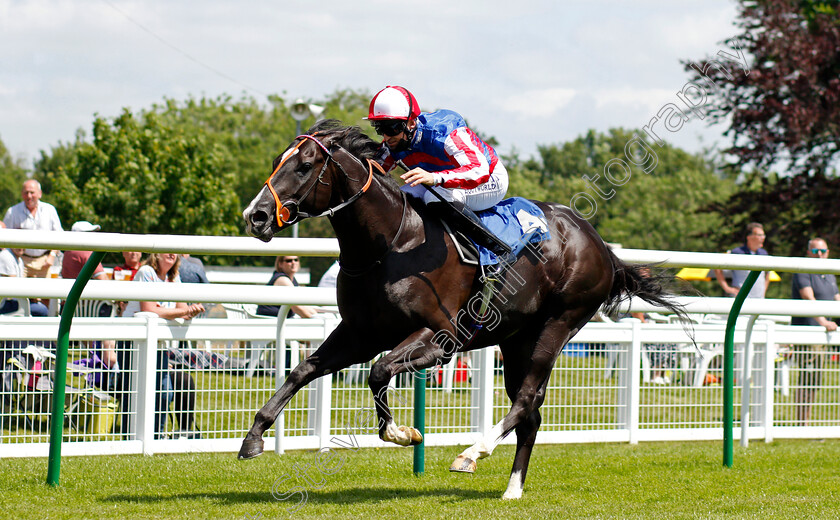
(629,281)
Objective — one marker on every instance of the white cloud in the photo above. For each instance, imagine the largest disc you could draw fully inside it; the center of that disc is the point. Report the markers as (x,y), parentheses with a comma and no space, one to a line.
(543,103)
(651,99)
(565,66)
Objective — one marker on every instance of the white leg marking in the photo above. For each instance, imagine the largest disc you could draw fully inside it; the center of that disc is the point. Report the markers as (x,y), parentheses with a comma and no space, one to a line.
(484,447)
(393,434)
(514,489)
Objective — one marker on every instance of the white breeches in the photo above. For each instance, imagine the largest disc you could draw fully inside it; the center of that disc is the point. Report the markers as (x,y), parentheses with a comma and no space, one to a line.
(477,199)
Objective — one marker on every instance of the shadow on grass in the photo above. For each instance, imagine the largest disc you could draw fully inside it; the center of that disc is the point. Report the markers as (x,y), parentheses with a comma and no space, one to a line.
(345,496)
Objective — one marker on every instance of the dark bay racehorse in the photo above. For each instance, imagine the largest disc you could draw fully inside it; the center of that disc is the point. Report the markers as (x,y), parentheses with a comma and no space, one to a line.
(402,288)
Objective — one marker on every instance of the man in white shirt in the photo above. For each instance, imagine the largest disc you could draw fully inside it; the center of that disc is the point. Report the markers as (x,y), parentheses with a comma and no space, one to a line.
(12,266)
(36,215)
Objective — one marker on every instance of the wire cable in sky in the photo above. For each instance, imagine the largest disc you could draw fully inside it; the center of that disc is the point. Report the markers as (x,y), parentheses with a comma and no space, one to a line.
(181,52)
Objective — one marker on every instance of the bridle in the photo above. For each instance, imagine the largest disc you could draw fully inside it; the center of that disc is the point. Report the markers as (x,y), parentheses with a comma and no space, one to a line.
(287,216)
(289,212)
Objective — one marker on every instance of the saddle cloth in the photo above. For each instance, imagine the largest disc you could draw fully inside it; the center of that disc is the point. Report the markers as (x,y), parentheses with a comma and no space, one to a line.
(512,220)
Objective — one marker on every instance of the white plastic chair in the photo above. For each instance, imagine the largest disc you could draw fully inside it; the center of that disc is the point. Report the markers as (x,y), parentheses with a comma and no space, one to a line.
(91,308)
(23,308)
(245,311)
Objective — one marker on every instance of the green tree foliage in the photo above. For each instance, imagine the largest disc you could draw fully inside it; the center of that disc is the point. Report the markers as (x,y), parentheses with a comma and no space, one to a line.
(12,175)
(181,167)
(139,175)
(784,113)
(663,209)
(787,107)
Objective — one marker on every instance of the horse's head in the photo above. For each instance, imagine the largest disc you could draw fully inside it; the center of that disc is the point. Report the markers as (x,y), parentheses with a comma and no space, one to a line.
(310,179)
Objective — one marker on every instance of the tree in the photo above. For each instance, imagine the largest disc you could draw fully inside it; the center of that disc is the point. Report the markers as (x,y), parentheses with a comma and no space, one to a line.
(181,167)
(661,207)
(12,175)
(786,108)
(141,176)
(783,113)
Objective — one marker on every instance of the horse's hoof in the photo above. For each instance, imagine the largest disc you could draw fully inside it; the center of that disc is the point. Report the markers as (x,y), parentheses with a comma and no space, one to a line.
(251,448)
(414,435)
(463,465)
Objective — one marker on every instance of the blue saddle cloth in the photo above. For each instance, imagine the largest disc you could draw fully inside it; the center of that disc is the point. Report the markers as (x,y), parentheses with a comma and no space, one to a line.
(517,222)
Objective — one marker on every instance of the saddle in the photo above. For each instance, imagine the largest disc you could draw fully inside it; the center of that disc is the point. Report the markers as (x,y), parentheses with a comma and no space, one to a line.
(467,250)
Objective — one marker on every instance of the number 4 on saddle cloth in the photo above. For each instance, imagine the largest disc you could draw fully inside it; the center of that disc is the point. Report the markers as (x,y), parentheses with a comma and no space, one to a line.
(516,222)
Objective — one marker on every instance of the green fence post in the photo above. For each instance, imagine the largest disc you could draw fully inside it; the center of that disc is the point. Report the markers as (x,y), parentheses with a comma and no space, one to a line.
(729,365)
(57,417)
(420,420)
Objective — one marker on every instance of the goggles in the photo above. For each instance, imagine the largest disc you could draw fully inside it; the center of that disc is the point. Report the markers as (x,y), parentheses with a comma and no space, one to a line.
(389,127)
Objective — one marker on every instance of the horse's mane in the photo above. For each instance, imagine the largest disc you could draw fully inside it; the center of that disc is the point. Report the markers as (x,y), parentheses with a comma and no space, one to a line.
(351,138)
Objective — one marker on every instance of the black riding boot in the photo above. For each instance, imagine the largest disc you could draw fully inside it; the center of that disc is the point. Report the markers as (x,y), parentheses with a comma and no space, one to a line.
(467,222)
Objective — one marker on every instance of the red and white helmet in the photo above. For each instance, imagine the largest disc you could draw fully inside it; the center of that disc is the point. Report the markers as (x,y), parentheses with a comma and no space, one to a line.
(393,103)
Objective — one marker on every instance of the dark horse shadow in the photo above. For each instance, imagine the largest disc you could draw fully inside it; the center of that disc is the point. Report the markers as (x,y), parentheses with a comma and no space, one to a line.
(402,289)
(356,495)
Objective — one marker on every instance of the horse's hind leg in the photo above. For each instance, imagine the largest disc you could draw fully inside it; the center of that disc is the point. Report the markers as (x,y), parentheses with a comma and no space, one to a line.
(340,350)
(517,358)
(530,368)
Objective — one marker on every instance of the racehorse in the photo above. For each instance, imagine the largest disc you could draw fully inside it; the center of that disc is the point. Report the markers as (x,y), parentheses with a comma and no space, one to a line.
(403,288)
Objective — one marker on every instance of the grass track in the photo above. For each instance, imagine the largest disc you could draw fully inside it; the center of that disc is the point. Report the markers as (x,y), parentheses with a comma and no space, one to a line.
(786,479)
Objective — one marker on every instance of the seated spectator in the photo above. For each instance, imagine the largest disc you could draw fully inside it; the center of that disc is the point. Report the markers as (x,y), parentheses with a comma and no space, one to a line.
(126,273)
(11,265)
(192,270)
(330,277)
(285,268)
(73,261)
(132,263)
(171,384)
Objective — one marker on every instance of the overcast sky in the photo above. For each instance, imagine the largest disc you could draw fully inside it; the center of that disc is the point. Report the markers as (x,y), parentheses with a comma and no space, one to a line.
(527,72)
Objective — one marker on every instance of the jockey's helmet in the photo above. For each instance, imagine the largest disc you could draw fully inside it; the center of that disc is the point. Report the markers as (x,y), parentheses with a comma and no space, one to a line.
(393,103)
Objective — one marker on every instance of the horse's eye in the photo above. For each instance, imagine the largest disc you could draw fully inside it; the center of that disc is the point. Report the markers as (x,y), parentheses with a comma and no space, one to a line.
(304,168)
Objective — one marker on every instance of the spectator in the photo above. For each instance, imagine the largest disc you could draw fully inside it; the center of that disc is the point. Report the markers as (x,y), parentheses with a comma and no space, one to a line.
(810,358)
(752,246)
(285,268)
(11,265)
(330,277)
(73,261)
(192,270)
(129,268)
(36,215)
(171,384)
(131,264)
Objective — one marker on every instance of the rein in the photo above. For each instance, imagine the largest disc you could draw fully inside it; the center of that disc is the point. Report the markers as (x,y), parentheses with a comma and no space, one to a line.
(288,217)
(283,212)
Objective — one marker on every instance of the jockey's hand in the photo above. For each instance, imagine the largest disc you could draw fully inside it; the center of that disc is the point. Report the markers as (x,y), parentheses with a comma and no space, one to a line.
(417,176)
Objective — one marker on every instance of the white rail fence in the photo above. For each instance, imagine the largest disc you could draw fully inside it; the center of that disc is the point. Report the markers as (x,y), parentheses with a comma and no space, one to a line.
(600,391)
(604,394)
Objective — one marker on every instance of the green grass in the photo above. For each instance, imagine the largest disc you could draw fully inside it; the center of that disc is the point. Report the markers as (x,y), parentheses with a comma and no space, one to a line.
(785,479)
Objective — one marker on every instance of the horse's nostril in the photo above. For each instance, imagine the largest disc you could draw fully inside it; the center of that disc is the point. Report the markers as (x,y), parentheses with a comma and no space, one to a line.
(259,218)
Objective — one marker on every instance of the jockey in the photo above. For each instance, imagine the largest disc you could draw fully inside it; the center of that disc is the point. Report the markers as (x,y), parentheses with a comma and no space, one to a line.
(439,151)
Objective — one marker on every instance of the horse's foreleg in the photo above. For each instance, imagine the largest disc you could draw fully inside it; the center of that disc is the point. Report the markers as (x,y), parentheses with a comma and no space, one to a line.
(418,351)
(340,350)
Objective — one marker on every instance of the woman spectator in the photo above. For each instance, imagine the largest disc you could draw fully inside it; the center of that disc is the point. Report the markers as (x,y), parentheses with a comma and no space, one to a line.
(285,268)
(171,384)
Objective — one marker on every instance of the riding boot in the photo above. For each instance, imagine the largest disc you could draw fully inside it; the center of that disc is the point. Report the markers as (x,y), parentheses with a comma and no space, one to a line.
(467,222)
